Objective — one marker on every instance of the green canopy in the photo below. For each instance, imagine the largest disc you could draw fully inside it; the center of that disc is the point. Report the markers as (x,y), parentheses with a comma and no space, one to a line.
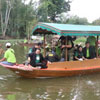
(66,29)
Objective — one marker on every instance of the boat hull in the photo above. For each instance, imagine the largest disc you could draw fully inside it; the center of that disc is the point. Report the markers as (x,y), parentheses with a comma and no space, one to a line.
(54,73)
(58,69)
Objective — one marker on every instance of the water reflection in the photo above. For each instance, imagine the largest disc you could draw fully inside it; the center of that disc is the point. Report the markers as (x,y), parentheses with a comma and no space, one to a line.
(72,88)
(13,87)
(37,89)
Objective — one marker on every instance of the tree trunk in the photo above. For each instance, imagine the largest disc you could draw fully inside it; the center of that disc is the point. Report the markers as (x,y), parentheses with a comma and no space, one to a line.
(1,21)
(1,17)
(4,24)
(8,10)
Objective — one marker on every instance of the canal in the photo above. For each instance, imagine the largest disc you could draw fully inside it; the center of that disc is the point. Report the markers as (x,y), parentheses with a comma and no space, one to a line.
(13,87)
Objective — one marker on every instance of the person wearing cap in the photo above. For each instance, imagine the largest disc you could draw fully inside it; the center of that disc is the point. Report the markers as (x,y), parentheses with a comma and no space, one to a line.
(9,56)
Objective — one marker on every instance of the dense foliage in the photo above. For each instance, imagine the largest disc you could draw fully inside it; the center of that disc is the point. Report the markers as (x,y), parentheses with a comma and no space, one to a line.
(50,10)
(17,18)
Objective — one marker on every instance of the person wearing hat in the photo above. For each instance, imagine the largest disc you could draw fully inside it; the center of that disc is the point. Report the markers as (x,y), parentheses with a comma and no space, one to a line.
(9,56)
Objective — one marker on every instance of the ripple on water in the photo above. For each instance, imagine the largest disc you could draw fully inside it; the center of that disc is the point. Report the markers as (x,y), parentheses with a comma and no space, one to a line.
(0,95)
(5,77)
(75,97)
(90,83)
(44,96)
(2,78)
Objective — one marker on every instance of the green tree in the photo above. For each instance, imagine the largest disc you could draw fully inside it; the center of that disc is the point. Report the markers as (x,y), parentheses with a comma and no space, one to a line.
(5,10)
(50,10)
(16,17)
(77,20)
(22,15)
(96,22)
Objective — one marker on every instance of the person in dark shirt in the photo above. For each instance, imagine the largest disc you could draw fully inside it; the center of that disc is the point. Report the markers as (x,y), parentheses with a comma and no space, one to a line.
(37,46)
(63,46)
(88,51)
(79,54)
(33,49)
(74,52)
(36,59)
(52,56)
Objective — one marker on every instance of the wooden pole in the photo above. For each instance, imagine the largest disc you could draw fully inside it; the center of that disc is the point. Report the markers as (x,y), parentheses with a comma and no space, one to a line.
(44,46)
(28,36)
(66,53)
(97,46)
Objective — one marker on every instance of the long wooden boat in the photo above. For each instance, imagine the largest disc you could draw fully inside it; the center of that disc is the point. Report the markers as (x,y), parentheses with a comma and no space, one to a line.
(58,69)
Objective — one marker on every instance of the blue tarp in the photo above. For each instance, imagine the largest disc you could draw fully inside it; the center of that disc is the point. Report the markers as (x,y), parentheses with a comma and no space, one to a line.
(66,29)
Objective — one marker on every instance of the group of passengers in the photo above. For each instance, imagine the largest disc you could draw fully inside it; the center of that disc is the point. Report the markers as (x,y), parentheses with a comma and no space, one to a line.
(55,54)
(87,52)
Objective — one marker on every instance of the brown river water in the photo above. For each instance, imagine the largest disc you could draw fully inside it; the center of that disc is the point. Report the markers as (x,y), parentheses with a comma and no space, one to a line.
(13,87)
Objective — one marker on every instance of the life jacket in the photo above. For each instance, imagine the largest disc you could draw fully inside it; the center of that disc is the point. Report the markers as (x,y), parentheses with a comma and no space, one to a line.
(51,57)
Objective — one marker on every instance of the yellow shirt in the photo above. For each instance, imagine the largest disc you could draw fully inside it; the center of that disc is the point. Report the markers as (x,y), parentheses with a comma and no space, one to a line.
(10,56)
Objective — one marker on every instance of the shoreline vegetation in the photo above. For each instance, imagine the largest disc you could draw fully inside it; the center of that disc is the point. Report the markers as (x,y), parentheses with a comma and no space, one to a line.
(12,40)
(17,18)
(79,40)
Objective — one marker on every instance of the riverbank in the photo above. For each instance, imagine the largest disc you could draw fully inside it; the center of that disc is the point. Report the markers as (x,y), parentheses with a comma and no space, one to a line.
(12,40)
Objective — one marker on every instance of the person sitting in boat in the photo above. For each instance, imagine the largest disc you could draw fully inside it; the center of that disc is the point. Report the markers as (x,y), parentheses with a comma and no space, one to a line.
(36,59)
(69,46)
(37,46)
(26,41)
(88,51)
(92,41)
(79,54)
(9,56)
(52,56)
(58,50)
(74,52)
